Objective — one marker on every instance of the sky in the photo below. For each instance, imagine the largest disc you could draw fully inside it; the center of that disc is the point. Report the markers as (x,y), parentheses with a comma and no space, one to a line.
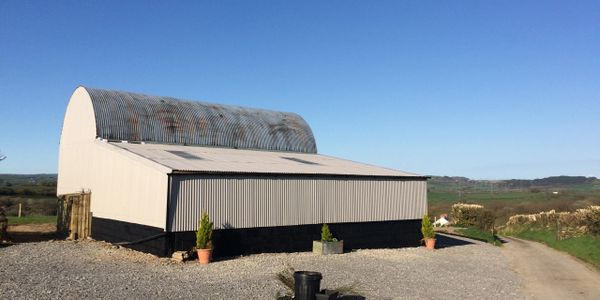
(482,89)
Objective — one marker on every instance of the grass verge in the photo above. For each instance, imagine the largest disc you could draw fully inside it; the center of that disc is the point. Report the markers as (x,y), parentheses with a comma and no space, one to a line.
(12,220)
(585,247)
(478,234)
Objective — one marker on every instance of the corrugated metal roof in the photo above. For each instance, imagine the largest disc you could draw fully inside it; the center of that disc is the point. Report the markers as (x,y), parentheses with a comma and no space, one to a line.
(222,160)
(142,118)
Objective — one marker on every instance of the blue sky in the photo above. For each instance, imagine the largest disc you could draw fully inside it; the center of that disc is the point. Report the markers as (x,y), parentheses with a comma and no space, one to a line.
(483,89)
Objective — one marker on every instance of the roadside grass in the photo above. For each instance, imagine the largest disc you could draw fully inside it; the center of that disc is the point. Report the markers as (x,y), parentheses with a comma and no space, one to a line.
(478,234)
(13,220)
(585,247)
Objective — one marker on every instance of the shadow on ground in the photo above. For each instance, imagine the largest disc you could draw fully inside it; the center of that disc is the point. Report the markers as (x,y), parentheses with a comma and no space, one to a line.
(446,241)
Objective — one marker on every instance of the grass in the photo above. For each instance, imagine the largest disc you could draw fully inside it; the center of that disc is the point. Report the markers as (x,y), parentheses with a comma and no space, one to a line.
(478,234)
(585,247)
(12,220)
(483,197)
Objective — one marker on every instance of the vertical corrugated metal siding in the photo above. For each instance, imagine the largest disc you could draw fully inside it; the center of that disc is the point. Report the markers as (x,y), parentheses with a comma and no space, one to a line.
(263,202)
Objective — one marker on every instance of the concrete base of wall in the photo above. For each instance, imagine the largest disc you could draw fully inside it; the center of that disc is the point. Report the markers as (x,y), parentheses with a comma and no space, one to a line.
(234,242)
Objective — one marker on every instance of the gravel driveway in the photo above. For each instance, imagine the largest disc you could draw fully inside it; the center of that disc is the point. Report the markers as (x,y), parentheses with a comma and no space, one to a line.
(90,269)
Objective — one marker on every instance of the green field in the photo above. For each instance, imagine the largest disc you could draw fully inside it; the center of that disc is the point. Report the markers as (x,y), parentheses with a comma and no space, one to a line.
(35,194)
(510,197)
(482,197)
(12,220)
(585,247)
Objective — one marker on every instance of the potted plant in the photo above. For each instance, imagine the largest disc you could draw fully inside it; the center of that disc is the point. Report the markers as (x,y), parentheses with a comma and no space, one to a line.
(328,244)
(204,239)
(428,233)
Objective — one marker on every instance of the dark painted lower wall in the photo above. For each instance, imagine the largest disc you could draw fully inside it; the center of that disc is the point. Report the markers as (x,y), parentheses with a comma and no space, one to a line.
(233,242)
(114,231)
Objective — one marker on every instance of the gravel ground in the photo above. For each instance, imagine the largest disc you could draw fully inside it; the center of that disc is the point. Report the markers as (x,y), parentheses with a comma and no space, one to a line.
(91,269)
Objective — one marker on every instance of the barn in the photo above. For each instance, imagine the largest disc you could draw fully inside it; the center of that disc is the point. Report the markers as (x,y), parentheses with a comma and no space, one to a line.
(153,164)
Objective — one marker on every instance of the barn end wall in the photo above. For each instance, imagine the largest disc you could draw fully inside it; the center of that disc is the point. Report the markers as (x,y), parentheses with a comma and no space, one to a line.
(127,189)
(123,187)
(250,201)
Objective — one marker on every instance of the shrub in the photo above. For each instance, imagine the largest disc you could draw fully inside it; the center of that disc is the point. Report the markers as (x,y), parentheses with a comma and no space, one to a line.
(286,278)
(591,218)
(585,220)
(485,220)
(204,233)
(466,214)
(326,235)
(427,228)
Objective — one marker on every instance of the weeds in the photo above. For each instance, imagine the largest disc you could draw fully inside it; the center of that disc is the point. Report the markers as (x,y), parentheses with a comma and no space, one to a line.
(286,278)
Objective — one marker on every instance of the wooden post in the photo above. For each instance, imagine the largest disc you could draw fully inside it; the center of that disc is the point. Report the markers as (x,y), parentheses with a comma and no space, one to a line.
(85,216)
(558,229)
(74,218)
(90,224)
(81,216)
(89,215)
(80,231)
(20,206)
(84,220)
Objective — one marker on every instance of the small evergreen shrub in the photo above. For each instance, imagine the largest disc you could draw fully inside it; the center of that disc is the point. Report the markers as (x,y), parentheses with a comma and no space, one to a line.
(326,235)
(204,233)
(427,228)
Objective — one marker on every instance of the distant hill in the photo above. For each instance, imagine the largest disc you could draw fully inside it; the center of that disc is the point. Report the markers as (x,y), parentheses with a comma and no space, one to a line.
(43,185)
(466,184)
(551,181)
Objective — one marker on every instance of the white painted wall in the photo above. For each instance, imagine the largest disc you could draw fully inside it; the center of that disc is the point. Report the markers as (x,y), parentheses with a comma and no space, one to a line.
(123,186)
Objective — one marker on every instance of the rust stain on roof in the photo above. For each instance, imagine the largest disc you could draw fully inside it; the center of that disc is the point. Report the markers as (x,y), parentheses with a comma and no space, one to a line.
(143,118)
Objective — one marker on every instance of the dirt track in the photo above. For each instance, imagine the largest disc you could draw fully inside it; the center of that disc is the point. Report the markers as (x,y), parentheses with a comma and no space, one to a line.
(31,232)
(550,274)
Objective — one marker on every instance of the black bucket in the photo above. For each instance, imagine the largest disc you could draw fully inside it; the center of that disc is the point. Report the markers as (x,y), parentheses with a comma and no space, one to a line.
(307,285)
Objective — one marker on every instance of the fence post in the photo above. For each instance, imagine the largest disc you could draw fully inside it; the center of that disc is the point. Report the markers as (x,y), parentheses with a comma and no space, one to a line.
(558,229)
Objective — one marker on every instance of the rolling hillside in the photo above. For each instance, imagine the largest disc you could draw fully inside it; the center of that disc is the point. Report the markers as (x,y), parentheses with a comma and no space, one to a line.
(514,196)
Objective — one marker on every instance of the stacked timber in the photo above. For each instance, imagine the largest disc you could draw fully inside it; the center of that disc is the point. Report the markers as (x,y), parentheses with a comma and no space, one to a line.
(74,216)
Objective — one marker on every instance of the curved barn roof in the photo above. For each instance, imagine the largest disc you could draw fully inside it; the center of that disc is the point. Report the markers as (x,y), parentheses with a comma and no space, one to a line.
(142,118)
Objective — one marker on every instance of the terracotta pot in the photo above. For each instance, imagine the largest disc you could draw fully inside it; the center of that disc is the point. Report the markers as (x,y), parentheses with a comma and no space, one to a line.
(204,255)
(430,244)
